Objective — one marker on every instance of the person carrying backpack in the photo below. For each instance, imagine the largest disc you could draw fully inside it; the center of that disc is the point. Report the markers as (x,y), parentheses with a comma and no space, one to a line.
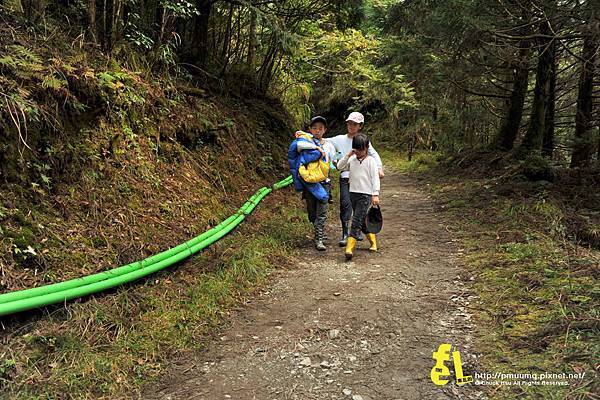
(310,169)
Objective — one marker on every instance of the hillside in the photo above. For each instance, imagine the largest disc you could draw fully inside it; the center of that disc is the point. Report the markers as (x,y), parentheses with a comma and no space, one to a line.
(103,165)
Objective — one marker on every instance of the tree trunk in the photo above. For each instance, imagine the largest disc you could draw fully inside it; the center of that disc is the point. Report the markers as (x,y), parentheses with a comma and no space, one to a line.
(598,144)
(199,50)
(584,140)
(253,38)
(532,142)
(267,64)
(227,41)
(514,107)
(117,21)
(548,141)
(239,42)
(105,37)
(33,9)
(161,20)
(91,11)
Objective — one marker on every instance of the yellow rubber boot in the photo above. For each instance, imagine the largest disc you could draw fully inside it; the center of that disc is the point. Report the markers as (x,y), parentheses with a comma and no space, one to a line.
(350,245)
(373,241)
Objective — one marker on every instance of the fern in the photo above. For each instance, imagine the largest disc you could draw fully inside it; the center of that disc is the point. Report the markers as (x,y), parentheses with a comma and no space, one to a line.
(106,80)
(62,65)
(8,61)
(53,82)
(26,54)
(68,68)
(122,76)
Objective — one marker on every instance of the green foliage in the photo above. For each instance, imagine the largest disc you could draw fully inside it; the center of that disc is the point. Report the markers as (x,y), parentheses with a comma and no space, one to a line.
(535,168)
(26,57)
(421,161)
(6,367)
(427,42)
(53,82)
(135,35)
(377,14)
(180,8)
(295,95)
(349,14)
(123,89)
(341,67)
(43,169)
(347,61)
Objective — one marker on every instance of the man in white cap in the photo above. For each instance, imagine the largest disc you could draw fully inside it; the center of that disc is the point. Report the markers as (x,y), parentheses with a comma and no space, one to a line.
(343,144)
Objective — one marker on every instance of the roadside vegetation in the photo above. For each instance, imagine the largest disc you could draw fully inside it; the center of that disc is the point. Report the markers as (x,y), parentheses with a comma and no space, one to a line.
(107,345)
(535,267)
(107,157)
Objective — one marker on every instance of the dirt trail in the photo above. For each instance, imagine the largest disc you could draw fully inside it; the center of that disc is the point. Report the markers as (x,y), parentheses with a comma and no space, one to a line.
(330,329)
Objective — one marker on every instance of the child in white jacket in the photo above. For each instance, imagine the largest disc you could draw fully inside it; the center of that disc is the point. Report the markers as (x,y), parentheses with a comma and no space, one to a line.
(364,189)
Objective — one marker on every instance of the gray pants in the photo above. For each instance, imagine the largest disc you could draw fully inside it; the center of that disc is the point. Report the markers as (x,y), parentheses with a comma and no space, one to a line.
(317,211)
(360,206)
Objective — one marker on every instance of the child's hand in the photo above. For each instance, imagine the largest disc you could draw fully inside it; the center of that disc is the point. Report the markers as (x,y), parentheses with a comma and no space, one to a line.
(323,155)
(351,153)
(375,200)
(298,134)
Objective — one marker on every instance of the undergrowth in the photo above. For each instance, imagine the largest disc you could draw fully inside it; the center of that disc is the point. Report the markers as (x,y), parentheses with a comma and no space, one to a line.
(536,282)
(420,161)
(101,165)
(108,345)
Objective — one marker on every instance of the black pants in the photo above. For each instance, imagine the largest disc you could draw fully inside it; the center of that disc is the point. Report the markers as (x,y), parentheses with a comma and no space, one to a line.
(345,204)
(317,210)
(360,206)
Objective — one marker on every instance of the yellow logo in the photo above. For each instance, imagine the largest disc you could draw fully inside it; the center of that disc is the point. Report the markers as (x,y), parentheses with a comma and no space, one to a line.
(441,371)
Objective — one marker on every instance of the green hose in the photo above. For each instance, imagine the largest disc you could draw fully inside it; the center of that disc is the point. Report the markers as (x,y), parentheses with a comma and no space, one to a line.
(55,293)
(283,183)
(42,290)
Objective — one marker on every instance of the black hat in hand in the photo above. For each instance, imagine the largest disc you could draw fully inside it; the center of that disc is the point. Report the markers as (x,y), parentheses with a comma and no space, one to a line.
(374,220)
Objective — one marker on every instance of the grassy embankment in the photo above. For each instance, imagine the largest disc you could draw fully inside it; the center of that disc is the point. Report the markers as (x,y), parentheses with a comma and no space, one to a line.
(536,282)
(108,345)
(102,164)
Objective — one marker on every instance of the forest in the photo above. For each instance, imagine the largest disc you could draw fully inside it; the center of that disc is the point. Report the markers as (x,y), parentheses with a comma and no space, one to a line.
(129,126)
(450,75)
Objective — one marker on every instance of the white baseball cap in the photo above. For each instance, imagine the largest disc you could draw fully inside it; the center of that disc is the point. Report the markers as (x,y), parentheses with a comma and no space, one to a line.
(356,117)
